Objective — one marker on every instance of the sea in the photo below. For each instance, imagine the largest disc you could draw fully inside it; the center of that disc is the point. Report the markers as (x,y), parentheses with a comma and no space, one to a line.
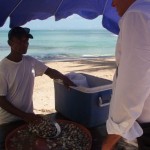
(56,45)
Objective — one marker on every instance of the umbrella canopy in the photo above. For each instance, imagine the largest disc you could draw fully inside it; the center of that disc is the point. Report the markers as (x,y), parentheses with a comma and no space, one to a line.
(23,11)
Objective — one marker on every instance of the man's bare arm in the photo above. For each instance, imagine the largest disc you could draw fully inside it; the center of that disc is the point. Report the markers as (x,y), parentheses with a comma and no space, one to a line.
(54,74)
(7,106)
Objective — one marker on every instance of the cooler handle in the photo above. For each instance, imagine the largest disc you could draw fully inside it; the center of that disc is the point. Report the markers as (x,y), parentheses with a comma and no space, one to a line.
(101,104)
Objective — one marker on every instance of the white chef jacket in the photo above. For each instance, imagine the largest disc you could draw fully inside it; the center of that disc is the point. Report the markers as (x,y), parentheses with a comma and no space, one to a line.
(130,103)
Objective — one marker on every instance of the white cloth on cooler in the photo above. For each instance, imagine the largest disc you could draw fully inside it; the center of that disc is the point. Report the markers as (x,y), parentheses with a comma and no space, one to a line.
(78,78)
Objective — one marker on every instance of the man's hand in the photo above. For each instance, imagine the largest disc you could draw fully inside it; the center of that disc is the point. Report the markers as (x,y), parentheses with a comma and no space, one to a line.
(31,117)
(67,82)
(110,141)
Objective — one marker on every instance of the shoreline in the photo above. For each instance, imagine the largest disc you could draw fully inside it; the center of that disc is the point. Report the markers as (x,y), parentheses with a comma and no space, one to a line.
(73,58)
(44,97)
(44,60)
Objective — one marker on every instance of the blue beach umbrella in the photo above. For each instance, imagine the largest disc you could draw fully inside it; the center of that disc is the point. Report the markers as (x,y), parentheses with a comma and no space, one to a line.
(23,11)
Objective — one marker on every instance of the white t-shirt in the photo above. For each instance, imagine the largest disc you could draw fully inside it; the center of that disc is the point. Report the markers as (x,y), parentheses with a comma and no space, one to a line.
(130,103)
(17,82)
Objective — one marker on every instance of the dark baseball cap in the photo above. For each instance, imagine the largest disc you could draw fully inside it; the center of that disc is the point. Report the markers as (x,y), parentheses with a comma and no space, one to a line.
(19,32)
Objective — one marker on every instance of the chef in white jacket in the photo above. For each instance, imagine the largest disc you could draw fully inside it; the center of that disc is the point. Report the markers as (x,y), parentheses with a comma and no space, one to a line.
(130,103)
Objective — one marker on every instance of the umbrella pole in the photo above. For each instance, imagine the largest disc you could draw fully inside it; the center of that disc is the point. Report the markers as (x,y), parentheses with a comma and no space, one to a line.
(58,7)
(15,7)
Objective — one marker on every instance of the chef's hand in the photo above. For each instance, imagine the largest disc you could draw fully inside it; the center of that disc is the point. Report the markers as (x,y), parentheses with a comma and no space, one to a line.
(110,141)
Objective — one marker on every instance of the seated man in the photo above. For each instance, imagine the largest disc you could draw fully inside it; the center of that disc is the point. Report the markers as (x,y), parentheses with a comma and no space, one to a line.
(17,74)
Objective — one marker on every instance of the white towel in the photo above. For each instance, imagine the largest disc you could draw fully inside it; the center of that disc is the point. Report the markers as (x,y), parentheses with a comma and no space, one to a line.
(78,79)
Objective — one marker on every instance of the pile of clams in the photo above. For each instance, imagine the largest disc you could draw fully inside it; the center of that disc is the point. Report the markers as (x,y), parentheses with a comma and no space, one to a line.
(48,136)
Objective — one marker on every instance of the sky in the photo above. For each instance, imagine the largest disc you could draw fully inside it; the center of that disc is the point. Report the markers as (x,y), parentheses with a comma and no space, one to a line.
(73,22)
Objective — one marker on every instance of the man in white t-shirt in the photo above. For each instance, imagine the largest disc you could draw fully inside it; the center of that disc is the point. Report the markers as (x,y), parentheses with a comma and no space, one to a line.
(17,73)
(129,115)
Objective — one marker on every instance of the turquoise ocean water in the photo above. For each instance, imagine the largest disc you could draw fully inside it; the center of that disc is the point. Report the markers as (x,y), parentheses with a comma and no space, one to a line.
(66,44)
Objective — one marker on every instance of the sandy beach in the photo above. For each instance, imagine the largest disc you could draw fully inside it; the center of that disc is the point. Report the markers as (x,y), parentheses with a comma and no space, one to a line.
(44,98)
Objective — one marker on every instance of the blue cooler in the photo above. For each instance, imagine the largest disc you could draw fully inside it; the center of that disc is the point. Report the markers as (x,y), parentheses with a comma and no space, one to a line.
(87,106)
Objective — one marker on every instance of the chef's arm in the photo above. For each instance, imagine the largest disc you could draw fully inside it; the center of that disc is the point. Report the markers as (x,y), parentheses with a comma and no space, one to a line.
(10,108)
(110,141)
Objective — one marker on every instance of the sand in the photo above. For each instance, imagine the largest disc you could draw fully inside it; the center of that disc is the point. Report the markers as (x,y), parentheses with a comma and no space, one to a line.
(44,98)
